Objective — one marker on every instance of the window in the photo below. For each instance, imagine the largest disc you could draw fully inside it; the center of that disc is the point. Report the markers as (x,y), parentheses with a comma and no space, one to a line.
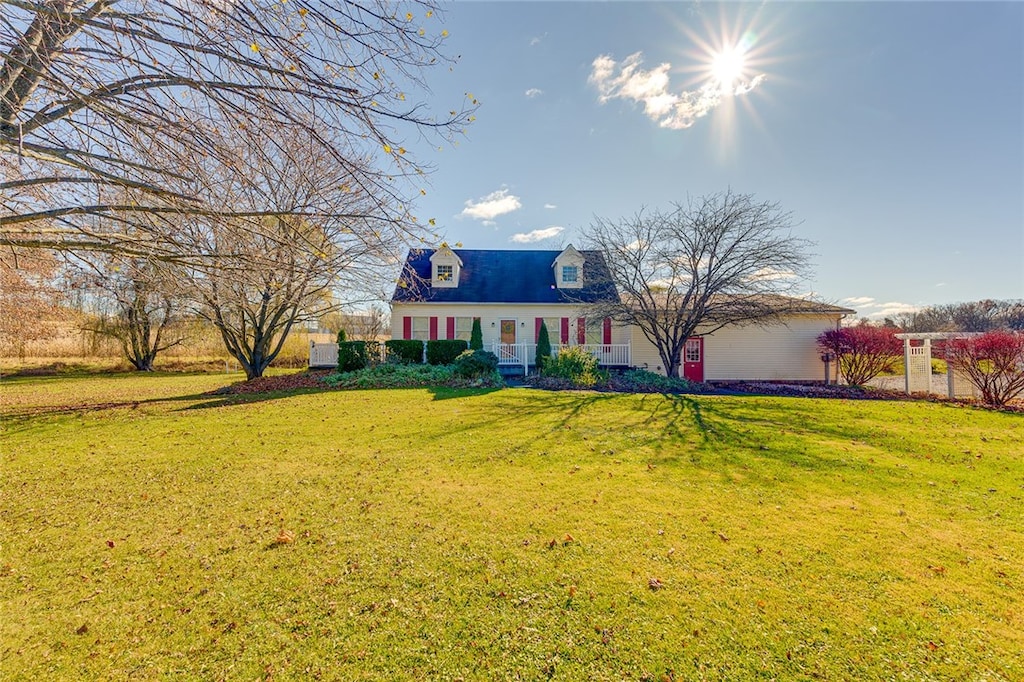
(554,325)
(595,331)
(692,350)
(445,273)
(570,274)
(421,328)
(463,328)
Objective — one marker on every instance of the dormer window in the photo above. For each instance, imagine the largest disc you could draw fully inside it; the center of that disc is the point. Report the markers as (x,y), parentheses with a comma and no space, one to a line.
(568,269)
(444,268)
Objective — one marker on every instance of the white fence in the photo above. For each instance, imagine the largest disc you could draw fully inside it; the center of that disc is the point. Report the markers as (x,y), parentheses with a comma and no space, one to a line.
(323,354)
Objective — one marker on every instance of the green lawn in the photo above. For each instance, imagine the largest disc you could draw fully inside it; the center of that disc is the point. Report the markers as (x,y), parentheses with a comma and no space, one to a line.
(511,534)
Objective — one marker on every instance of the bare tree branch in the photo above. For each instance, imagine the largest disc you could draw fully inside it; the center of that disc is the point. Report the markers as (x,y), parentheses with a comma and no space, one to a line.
(714,261)
(102,96)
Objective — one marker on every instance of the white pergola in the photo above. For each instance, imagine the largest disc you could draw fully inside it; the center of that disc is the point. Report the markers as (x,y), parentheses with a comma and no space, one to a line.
(917,360)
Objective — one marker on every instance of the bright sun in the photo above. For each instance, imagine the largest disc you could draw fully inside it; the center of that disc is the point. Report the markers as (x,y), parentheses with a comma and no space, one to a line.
(727,67)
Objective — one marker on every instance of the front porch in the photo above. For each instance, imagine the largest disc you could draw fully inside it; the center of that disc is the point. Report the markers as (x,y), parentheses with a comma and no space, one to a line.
(513,357)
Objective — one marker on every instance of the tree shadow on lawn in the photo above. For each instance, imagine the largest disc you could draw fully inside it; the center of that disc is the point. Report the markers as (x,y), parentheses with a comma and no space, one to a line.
(704,431)
(196,401)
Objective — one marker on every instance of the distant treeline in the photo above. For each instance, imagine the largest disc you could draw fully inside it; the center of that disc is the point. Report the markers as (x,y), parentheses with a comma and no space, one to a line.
(977,316)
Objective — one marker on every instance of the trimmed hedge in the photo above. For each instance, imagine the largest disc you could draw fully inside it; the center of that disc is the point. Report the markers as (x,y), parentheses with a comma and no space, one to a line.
(543,346)
(476,336)
(406,351)
(444,351)
(475,363)
(352,355)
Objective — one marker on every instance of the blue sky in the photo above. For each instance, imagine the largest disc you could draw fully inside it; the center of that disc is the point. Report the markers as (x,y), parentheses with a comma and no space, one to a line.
(894,132)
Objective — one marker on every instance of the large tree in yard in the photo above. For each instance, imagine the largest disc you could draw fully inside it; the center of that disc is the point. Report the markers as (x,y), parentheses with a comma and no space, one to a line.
(713,261)
(259,276)
(107,106)
(133,300)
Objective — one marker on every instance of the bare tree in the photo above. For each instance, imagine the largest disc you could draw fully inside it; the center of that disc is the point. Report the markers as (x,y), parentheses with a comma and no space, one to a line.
(132,300)
(366,324)
(106,106)
(261,275)
(716,260)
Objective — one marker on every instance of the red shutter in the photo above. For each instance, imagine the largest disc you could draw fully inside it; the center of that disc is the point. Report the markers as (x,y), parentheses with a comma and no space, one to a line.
(607,330)
(450,324)
(407,327)
(581,331)
(433,328)
(536,329)
(565,331)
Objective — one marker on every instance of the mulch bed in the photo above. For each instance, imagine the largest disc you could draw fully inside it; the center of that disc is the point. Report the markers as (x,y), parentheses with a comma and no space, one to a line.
(284,382)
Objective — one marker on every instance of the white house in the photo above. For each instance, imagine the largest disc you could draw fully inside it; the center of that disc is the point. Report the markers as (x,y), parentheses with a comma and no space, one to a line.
(441,291)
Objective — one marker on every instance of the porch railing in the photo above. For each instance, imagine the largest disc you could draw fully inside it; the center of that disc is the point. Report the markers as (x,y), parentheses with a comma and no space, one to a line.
(525,354)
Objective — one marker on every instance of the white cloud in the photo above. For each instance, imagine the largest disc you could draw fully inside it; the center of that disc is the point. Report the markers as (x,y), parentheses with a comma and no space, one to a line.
(859,300)
(534,92)
(536,235)
(550,206)
(891,308)
(491,206)
(771,274)
(537,40)
(627,80)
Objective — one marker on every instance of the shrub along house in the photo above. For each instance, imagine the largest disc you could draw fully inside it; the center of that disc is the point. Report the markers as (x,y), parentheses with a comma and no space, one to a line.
(441,291)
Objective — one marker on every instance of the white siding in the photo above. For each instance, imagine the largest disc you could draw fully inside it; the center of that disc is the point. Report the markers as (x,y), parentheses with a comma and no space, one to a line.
(778,352)
(490,314)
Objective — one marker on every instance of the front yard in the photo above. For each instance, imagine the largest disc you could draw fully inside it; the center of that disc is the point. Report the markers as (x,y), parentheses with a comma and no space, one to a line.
(148,529)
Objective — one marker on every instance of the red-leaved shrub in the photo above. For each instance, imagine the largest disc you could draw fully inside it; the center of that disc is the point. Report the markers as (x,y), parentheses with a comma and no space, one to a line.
(993,362)
(863,352)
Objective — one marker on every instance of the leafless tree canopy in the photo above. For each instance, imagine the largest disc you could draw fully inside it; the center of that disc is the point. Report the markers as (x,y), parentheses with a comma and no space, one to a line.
(132,300)
(716,260)
(106,106)
(259,273)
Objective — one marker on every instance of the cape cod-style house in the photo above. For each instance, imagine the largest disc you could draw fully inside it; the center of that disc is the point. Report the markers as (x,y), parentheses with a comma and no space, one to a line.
(442,290)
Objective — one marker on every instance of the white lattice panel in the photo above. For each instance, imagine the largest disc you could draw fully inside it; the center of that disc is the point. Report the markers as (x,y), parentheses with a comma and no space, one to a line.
(919,369)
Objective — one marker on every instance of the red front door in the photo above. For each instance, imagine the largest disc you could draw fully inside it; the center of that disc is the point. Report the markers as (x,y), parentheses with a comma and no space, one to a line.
(693,359)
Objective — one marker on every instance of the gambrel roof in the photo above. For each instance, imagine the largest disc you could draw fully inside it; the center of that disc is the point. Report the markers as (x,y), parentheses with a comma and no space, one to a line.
(502,276)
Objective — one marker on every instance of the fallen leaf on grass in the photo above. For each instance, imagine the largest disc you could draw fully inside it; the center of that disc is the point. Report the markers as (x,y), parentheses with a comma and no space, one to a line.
(285,537)
(655,584)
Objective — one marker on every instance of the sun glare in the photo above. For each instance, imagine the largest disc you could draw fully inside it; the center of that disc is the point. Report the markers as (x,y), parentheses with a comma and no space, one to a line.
(727,67)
